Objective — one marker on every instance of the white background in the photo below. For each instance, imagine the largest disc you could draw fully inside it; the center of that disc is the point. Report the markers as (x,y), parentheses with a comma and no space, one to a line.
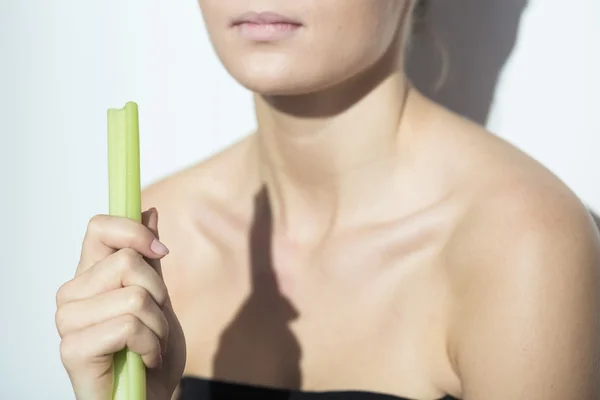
(64,62)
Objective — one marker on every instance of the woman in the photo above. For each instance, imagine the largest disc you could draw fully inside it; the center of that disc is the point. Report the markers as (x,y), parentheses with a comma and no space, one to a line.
(364,243)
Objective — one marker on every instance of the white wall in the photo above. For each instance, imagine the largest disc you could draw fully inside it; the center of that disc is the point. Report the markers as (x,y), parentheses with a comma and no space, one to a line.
(548,102)
(64,62)
(529,68)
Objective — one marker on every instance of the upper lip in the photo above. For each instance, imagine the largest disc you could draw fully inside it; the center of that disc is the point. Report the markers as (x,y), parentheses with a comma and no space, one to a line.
(264,18)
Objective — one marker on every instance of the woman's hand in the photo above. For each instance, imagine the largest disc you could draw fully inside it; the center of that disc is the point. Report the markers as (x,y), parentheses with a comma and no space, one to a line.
(118,299)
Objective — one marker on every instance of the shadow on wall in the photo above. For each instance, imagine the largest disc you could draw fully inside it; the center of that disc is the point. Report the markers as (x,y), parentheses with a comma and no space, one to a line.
(473,40)
(465,44)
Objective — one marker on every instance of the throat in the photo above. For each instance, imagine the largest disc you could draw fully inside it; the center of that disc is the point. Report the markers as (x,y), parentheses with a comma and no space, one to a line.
(322,156)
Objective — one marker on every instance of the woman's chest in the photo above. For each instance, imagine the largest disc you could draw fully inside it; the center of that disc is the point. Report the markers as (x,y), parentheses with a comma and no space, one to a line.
(361,318)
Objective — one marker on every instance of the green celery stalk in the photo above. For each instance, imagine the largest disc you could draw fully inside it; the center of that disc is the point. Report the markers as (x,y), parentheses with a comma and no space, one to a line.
(125,201)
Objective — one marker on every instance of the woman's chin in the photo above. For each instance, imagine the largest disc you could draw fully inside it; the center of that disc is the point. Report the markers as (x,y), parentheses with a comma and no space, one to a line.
(289,78)
(272,80)
(276,86)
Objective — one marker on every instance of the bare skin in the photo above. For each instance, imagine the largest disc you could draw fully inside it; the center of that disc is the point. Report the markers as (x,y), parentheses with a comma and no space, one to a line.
(425,301)
(363,238)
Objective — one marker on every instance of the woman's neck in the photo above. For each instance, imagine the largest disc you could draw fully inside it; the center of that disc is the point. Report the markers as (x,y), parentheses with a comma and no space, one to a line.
(322,156)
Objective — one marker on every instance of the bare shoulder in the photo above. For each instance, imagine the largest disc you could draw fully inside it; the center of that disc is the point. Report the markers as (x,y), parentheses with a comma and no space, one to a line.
(515,207)
(524,266)
(180,197)
(189,203)
(215,177)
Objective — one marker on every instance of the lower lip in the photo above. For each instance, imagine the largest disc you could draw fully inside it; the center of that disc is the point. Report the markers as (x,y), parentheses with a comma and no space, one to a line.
(267,32)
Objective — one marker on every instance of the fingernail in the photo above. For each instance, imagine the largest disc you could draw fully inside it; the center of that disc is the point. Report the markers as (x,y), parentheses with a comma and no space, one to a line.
(159,248)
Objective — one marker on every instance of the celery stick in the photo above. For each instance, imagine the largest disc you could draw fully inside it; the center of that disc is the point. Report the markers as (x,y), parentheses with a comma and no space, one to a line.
(125,201)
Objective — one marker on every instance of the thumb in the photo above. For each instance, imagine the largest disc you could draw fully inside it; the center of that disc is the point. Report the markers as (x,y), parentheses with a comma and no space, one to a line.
(150,221)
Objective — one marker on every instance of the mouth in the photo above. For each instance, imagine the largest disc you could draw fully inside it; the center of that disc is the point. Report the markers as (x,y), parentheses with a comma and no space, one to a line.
(265,26)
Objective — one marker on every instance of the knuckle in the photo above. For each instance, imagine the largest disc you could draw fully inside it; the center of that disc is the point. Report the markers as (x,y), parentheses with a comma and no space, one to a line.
(62,294)
(139,299)
(69,353)
(135,234)
(96,222)
(129,258)
(131,325)
(60,320)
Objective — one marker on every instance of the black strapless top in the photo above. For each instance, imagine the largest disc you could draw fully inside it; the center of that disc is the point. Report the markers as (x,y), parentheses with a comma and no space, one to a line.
(205,389)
